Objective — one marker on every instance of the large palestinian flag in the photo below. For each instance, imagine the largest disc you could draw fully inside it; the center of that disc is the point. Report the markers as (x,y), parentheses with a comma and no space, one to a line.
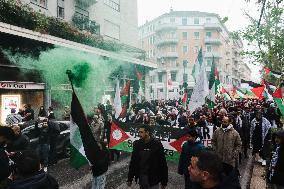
(214,83)
(124,134)
(278,99)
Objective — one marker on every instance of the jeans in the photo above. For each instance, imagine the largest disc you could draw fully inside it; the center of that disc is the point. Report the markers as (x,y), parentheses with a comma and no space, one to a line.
(99,182)
(43,152)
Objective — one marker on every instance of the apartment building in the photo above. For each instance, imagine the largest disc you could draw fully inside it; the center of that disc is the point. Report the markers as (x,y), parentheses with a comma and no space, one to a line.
(113,19)
(173,40)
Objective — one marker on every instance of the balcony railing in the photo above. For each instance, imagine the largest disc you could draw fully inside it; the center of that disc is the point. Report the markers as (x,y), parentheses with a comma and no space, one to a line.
(211,26)
(213,41)
(165,41)
(166,26)
(84,23)
(168,55)
(212,54)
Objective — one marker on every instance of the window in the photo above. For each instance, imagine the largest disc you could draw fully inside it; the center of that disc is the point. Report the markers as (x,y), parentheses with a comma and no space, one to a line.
(60,12)
(114,4)
(160,77)
(41,3)
(185,63)
(208,34)
(185,76)
(184,35)
(173,76)
(195,49)
(81,12)
(112,30)
(208,62)
(173,35)
(173,48)
(161,90)
(196,35)
(185,49)
(208,20)
(196,20)
(208,48)
(184,21)
(172,20)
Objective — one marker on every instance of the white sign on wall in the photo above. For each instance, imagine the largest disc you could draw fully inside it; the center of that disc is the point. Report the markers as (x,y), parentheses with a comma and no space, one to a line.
(21,85)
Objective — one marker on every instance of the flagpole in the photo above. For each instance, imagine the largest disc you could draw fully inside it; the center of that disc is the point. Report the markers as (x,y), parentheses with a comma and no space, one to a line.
(70,77)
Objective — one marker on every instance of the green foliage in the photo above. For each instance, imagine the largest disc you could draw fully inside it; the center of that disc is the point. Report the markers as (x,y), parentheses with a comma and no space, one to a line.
(267,38)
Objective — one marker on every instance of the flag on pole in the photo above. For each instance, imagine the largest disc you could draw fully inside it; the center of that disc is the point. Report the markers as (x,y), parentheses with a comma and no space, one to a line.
(258,91)
(184,101)
(225,94)
(214,83)
(84,147)
(278,99)
(140,91)
(196,67)
(125,99)
(117,101)
(267,71)
(200,90)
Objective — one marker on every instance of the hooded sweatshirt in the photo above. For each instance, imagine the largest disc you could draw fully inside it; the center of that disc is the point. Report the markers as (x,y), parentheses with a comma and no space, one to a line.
(39,181)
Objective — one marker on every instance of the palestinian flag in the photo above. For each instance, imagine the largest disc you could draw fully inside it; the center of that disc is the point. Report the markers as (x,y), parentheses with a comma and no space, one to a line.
(250,84)
(184,101)
(240,93)
(125,99)
(123,136)
(267,71)
(225,94)
(84,148)
(214,83)
(278,99)
(197,65)
(258,91)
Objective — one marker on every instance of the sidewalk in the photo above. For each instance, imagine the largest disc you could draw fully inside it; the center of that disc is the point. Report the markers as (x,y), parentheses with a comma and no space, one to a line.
(258,179)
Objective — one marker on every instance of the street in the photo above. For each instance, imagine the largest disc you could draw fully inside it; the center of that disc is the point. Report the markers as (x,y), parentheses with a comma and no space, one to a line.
(70,178)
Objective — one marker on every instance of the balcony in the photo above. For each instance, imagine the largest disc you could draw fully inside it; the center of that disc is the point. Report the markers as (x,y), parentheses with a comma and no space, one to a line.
(212,54)
(166,26)
(213,41)
(85,24)
(166,41)
(168,55)
(210,26)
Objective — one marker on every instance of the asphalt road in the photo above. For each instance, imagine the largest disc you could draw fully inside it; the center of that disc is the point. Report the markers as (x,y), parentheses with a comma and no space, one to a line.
(70,178)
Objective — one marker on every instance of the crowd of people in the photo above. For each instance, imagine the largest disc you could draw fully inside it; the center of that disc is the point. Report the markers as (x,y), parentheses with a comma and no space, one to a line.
(241,128)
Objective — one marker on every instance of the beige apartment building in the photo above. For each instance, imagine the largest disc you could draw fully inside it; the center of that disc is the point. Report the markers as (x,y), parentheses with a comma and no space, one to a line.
(173,40)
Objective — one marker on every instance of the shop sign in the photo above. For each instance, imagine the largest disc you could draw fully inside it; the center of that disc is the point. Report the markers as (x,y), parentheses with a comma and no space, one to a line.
(20,85)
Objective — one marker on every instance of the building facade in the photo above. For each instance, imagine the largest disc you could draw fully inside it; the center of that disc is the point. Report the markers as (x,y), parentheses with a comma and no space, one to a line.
(173,40)
(113,19)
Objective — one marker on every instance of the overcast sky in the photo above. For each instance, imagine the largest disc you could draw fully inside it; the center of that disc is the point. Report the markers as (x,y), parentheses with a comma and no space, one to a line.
(233,9)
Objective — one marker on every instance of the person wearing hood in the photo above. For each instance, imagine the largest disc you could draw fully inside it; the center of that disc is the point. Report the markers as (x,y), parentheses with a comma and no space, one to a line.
(226,142)
(28,173)
(212,174)
(259,130)
(276,167)
(190,148)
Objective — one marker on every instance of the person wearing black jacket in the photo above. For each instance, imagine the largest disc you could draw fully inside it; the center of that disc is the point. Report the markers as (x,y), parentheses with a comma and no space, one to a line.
(148,163)
(44,134)
(6,135)
(28,173)
(208,171)
(21,141)
(276,168)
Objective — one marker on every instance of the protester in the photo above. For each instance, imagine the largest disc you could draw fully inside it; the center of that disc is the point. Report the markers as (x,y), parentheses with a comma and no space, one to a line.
(13,118)
(97,128)
(28,113)
(189,149)
(21,141)
(42,112)
(259,129)
(148,163)
(50,113)
(226,142)
(99,172)
(6,136)
(276,167)
(207,172)
(28,173)
(54,136)
(66,114)
(245,130)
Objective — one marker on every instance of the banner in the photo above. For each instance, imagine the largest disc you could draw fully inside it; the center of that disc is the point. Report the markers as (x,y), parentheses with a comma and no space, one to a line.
(124,134)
